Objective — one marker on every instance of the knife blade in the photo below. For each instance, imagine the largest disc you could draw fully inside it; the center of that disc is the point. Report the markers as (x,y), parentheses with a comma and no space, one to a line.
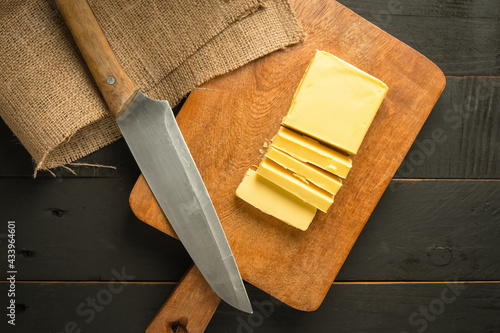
(151,132)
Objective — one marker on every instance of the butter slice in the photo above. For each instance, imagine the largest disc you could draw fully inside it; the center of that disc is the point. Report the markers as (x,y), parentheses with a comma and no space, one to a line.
(273,200)
(306,171)
(311,151)
(284,178)
(335,102)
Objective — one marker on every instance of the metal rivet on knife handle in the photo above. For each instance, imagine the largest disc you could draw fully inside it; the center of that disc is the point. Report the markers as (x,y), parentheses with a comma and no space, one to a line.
(111,80)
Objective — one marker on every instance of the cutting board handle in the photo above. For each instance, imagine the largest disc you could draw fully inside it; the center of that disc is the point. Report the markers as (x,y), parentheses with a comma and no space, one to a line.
(116,87)
(189,308)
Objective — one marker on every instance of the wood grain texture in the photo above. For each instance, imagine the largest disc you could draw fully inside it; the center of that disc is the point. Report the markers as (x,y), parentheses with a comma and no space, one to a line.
(98,55)
(461,137)
(189,308)
(430,231)
(79,229)
(426,8)
(461,37)
(402,308)
(378,308)
(238,112)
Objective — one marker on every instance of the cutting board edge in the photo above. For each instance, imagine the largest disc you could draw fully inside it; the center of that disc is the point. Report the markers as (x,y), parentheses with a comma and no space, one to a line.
(438,80)
(135,204)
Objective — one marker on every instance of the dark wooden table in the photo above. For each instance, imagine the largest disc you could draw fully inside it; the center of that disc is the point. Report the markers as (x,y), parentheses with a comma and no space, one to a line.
(428,259)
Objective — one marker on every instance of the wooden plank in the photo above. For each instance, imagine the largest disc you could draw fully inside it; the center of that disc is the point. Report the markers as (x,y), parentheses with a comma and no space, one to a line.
(465,116)
(461,37)
(85,307)
(462,9)
(128,308)
(461,137)
(76,229)
(430,231)
(375,308)
(465,113)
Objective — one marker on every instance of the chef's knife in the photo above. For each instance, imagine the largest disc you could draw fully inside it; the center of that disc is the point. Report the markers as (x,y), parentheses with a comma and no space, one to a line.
(152,134)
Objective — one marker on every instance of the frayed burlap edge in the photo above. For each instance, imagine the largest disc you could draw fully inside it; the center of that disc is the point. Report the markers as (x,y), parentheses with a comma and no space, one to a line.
(95,135)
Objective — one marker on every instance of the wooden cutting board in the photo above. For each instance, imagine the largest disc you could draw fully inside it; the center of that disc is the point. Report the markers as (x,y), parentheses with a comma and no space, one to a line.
(227,121)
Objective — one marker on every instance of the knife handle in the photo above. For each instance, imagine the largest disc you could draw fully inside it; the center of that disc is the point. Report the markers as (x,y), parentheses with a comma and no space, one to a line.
(189,308)
(116,87)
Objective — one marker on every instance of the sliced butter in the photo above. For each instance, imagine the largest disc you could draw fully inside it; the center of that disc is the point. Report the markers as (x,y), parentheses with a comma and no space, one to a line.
(311,151)
(273,200)
(284,178)
(335,102)
(305,171)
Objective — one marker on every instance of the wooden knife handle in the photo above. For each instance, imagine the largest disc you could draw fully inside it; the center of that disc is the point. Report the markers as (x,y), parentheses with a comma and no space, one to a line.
(189,308)
(116,87)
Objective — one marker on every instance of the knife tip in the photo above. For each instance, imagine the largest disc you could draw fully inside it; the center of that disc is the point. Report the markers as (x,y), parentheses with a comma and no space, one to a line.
(246,307)
(241,302)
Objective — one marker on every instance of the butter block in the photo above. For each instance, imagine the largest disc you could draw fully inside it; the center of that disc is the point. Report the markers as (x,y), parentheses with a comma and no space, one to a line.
(275,201)
(335,102)
(284,178)
(311,151)
(305,171)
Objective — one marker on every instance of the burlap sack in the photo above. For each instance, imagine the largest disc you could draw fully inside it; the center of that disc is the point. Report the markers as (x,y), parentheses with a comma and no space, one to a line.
(48,97)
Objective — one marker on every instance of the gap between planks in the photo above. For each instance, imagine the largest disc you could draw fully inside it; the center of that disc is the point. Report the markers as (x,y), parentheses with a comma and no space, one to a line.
(461,75)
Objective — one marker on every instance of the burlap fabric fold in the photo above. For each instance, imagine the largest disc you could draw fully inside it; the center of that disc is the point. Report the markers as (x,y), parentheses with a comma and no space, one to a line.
(48,97)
